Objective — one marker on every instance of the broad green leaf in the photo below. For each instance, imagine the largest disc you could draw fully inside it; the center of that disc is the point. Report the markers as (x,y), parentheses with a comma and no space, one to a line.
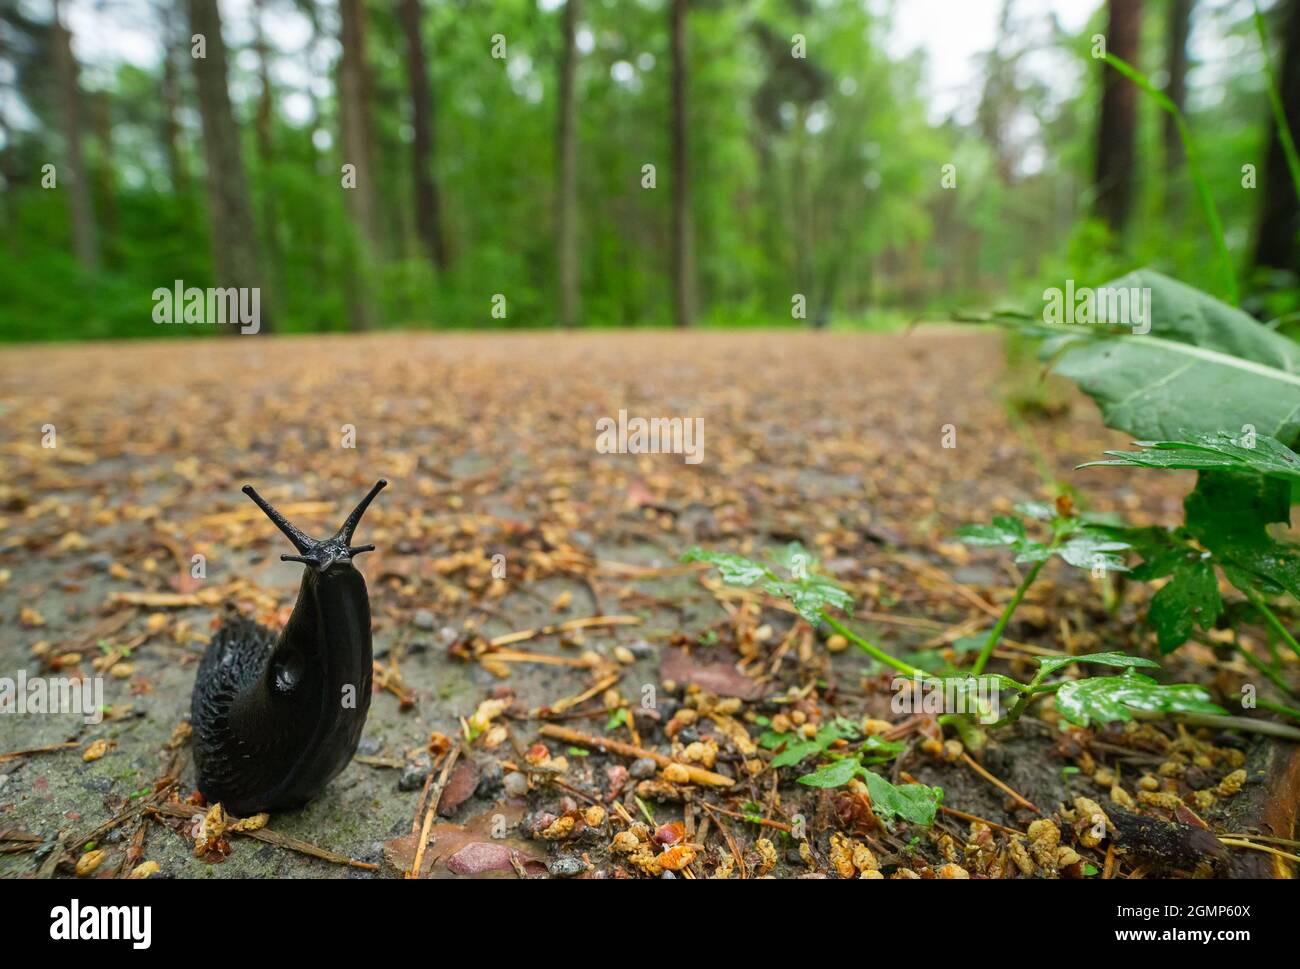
(1204,368)
(916,803)
(1229,513)
(1050,664)
(835,774)
(1210,452)
(734,569)
(1105,699)
(1190,598)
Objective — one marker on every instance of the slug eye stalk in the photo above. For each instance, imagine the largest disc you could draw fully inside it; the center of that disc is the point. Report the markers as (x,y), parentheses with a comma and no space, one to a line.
(320,553)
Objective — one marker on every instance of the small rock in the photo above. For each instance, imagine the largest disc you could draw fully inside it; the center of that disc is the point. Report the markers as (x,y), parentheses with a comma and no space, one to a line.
(414,774)
(642,768)
(516,784)
(490,777)
(617,775)
(566,866)
(479,857)
(424,619)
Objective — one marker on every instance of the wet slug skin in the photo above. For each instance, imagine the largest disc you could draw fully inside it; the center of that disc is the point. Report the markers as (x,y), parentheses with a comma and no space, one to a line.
(277,716)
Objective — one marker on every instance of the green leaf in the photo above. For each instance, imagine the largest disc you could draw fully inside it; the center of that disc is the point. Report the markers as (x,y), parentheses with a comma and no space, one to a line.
(911,802)
(1039,510)
(827,735)
(734,569)
(835,774)
(811,596)
(970,683)
(1105,699)
(1048,665)
(810,593)
(1190,598)
(1090,548)
(1204,452)
(1205,367)
(1229,513)
(616,719)
(1005,530)
(1081,545)
(877,751)
(796,752)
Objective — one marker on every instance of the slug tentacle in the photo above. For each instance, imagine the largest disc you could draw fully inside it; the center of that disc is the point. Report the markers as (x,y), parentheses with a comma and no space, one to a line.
(276,716)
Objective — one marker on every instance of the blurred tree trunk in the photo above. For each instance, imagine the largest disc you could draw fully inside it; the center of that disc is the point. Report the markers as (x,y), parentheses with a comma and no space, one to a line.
(428,209)
(354,120)
(235,257)
(171,129)
(101,111)
(1277,245)
(566,203)
(1178,27)
(683,246)
(1116,130)
(75,177)
(354,116)
(263,124)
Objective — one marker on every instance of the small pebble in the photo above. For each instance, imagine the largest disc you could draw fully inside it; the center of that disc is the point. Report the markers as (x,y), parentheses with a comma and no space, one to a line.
(566,866)
(414,774)
(516,784)
(642,768)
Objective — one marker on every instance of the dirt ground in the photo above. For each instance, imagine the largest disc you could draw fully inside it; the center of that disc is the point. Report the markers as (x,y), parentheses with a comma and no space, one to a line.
(501,518)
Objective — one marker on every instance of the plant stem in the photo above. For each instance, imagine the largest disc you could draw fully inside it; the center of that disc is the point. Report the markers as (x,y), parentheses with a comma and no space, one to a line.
(1263,668)
(996,634)
(1271,618)
(1280,708)
(1193,167)
(1275,101)
(1266,727)
(872,650)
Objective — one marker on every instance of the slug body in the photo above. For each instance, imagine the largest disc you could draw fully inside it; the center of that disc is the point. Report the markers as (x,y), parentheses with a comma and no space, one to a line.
(276,717)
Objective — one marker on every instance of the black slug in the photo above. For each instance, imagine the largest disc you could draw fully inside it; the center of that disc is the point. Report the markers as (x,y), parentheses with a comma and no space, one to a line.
(277,717)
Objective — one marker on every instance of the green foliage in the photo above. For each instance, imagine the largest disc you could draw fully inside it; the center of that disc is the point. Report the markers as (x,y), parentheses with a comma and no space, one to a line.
(1240,492)
(1075,541)
(1047,665)
(1105,699)
(1204,368)
(1209,452)
(809,592)
(916,803)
